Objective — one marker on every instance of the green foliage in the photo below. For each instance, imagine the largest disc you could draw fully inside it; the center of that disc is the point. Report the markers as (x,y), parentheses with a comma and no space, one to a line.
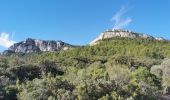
(48,66)
(163,71)
(47,88)
(24,72)
(146,85)
(8,93)
(115,69)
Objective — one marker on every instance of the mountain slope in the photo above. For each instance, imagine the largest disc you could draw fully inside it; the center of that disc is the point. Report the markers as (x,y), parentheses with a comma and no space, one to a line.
(118,68)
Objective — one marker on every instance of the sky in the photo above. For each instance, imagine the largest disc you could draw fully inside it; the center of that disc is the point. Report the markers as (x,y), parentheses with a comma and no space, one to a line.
(78,22)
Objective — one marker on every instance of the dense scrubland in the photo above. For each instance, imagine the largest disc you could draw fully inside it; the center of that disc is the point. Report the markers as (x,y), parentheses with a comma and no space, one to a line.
(115,69)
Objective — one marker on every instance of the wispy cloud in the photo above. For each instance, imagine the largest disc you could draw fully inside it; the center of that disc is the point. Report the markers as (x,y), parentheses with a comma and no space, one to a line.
(119,20)
(5,40)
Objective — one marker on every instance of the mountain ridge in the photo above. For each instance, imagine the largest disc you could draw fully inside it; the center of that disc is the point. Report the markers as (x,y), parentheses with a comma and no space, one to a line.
(121,33)
(36,45)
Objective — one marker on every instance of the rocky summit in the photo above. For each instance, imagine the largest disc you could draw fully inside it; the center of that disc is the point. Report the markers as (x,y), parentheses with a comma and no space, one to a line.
(35,45)
(120,33)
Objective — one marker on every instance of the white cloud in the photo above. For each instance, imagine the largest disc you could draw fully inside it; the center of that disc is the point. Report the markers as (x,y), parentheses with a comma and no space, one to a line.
(5,40)
(119,21)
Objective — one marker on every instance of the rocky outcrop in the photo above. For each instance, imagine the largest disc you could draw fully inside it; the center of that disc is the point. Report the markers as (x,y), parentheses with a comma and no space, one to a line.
(120,33)
(34,45)
(117,33)
(160,38)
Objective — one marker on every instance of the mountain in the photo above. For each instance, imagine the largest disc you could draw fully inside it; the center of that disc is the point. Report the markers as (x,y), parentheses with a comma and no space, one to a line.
(115,69)
(35,45)
(120,33)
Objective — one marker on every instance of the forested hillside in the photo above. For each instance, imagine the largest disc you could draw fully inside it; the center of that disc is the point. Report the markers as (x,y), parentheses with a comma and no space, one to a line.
(115,69)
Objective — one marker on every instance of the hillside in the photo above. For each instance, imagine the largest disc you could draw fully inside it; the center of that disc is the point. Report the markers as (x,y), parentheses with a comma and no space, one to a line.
(117,68)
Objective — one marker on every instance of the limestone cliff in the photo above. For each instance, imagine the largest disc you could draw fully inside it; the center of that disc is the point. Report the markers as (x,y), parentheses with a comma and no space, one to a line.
(35,45)
(120,33)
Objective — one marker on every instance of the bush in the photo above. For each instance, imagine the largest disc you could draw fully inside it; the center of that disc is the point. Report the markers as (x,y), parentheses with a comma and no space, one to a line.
(47,88)
(25,72)
(8,93)
(50,67)
(163,71)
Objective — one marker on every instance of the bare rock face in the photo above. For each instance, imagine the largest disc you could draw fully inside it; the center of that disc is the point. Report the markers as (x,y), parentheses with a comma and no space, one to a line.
(119,33)
(34,45)
(160,38)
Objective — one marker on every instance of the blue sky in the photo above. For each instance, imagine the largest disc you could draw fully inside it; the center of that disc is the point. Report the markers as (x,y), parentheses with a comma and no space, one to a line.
(80,21)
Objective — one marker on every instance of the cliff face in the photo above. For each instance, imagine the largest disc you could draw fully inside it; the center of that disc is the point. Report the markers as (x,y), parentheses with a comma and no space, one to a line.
(33,45)
(119,33)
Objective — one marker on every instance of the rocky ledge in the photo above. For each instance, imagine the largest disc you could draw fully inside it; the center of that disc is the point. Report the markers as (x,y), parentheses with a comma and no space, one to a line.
(35,45)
